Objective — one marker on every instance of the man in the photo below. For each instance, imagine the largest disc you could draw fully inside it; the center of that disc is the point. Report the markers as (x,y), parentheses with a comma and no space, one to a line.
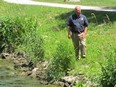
(77,29)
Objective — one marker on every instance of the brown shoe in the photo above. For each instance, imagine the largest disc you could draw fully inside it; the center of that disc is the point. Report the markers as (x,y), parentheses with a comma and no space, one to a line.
(77,59)
(84,56)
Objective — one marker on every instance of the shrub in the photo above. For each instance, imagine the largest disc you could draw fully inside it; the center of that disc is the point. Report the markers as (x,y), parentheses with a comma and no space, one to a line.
(62,62)
(33,46)
(10,33)
(109,71)
(21,34)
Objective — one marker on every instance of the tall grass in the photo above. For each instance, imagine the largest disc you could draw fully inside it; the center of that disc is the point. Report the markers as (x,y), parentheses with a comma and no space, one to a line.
(21,34)
(62,62)
(11,33)
(108,78)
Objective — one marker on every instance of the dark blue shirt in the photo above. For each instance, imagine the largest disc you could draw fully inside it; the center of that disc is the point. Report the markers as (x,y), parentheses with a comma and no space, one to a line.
(77,23)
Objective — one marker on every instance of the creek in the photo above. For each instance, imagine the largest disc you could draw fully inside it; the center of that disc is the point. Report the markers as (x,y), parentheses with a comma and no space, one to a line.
(8,77)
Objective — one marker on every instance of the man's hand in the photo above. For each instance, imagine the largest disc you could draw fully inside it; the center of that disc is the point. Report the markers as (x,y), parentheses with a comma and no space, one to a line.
(69,36)
(83,35)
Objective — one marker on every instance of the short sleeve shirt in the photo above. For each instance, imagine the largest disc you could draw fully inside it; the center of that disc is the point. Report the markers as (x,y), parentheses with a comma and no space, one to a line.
(77,23)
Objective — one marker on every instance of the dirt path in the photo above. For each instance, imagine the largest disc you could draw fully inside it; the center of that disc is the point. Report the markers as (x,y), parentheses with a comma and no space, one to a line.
(30,2)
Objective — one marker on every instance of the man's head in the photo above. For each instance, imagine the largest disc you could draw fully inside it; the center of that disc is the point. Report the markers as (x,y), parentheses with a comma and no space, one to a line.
(78,10)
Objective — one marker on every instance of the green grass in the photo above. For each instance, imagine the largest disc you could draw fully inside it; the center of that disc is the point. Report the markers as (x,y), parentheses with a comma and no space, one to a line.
(101,3)
(53,29)
(99,42)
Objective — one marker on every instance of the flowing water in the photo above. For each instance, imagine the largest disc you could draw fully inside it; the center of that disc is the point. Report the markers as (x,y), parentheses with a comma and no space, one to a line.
(9,79)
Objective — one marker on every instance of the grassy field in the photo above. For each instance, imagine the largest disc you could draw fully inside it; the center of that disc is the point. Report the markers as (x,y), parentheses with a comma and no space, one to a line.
(101,3)
(101,36)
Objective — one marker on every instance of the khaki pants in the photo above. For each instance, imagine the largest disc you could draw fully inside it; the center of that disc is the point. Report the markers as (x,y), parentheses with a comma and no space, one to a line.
(79,44)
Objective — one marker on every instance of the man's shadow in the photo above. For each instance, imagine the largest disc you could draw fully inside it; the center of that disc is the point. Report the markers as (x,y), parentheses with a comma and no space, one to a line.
(94,17)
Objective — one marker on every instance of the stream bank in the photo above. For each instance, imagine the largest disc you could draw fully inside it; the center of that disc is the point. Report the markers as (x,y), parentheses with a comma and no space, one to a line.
(9,77)
(15,73)
(21,67)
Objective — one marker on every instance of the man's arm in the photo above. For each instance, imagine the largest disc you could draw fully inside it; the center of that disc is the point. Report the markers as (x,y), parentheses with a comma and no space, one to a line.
(86,27)
(85,31)
(69,35)
(69,22)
